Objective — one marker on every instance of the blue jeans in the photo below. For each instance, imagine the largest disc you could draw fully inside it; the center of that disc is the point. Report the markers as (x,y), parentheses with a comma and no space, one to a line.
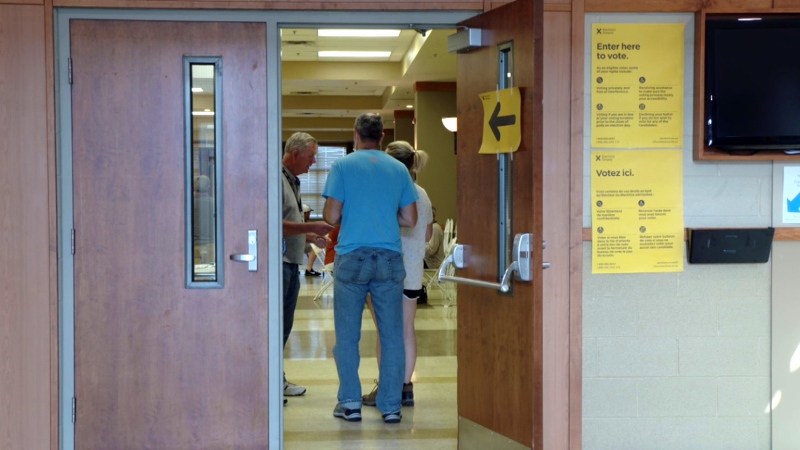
(291,289)
(380,273)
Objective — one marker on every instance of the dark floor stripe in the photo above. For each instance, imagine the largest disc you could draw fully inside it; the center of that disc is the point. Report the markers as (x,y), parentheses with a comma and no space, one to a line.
(319,344)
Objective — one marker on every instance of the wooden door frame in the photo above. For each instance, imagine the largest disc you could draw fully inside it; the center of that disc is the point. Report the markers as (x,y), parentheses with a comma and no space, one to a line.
(274,21)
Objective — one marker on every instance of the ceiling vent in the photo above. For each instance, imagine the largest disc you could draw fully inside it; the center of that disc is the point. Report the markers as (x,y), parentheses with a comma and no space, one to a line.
(304,92)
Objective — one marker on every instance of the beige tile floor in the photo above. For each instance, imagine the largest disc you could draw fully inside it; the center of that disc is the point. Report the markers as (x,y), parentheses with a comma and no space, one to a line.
(308,420)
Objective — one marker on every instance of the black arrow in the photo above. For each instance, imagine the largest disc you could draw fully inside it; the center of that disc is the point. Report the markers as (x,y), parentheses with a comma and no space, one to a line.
(495,122)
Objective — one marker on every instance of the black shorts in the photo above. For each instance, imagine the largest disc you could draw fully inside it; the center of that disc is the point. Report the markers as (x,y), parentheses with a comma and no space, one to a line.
(412,293)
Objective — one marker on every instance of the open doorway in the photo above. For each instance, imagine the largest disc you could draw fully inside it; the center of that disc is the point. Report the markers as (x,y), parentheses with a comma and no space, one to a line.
(412,86)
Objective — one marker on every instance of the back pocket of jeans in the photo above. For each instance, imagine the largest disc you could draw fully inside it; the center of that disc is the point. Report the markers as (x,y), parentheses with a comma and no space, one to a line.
(350,268)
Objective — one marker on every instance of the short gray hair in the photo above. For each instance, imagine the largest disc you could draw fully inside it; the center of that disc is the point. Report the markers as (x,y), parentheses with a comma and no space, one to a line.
(298,141)
(369,127)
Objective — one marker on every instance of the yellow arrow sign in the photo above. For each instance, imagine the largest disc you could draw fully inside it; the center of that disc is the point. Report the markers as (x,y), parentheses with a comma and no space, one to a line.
(501,121)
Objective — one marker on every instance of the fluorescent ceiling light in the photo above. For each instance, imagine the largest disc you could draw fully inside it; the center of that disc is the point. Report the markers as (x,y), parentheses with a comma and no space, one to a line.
(749,19)
(336,54)
(358,33)
(197,89)
(202,113)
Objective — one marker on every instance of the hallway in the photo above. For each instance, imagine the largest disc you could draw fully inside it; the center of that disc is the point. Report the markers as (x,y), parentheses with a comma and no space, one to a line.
(308,420)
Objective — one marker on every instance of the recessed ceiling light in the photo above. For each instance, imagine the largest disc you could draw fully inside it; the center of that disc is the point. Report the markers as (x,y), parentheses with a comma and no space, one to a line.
(358,33)
(338,54)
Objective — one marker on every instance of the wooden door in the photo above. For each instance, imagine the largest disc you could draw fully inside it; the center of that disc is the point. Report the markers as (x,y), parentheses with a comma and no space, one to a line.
(159,365)
(500,335)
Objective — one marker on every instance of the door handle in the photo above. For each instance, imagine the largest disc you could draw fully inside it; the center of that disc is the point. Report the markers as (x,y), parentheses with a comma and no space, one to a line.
(250,258)
(521,266)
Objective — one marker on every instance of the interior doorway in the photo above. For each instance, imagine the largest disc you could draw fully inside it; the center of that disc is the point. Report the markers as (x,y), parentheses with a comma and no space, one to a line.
(322,96)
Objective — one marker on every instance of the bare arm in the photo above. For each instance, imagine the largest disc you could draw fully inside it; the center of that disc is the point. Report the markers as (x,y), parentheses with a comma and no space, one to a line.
(428,232)
(434,242)
(332,213)
(407,215)
(295,228)
(319,241)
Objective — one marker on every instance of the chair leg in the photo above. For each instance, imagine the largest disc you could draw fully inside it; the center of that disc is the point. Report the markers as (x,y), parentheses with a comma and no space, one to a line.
(447,295)
(326,282)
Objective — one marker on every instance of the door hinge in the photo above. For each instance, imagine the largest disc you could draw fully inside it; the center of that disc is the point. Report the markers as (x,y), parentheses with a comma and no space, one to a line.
(72,241)
(74,408)
(69,70)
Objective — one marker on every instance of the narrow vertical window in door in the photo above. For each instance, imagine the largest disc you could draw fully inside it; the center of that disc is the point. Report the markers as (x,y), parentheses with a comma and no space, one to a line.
(203,183)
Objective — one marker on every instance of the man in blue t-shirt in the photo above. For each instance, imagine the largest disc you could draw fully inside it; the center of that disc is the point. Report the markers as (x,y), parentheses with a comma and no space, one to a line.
(371,195)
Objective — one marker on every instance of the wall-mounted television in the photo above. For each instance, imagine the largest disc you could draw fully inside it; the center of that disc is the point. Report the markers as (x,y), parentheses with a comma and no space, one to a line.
(752,84)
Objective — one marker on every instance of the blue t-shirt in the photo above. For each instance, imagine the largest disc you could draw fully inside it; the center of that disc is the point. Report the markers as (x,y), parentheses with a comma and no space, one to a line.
(372,187)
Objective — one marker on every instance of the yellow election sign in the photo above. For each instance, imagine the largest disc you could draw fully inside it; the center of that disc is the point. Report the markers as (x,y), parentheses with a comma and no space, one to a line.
(501,121)
(637,211)
(637,85)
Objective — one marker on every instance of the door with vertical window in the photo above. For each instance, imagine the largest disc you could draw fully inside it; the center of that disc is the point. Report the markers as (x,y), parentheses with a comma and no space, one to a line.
(169,125)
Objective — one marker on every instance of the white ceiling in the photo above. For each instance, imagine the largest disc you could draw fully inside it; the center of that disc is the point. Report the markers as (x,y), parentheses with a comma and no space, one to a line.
(325,95)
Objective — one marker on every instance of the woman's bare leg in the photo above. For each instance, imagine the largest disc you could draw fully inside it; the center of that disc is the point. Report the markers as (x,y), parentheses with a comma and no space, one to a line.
(409,335)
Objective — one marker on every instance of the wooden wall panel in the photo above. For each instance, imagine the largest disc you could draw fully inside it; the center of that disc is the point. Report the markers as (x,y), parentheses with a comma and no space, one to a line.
(421,5)
(687,5)
(305,5)
(489,5)
(575,229)
(25,308)
(738,5)
(794,4)
(787,234)
(642,5)
(556,218)
(49,45)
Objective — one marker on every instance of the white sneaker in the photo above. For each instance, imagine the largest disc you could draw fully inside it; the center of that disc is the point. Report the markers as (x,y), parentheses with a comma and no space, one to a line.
(292,390)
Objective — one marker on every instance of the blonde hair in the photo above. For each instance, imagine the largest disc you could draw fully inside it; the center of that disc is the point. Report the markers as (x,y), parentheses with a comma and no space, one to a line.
(402,151)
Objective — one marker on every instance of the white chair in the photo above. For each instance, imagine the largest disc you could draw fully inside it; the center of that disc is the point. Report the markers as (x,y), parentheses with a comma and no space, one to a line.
(432,274)
(449,232)
(327,271)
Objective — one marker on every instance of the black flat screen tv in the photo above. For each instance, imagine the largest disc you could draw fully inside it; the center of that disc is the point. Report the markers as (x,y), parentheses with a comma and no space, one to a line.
(752,82)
